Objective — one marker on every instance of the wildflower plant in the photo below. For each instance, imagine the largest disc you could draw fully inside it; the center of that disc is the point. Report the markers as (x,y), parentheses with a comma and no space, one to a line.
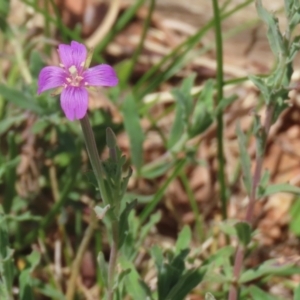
(275,90)
(73,78)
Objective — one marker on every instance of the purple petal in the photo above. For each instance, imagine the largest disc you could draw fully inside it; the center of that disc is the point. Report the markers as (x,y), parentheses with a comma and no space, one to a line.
(74,55)
(74,102)
(50,78)
(101,75)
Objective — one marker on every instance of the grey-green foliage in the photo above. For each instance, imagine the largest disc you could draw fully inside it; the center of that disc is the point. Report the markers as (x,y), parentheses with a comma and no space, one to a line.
(134,130)
(274,88)
(284,46)
(174,280)
(191,117)
(245,159)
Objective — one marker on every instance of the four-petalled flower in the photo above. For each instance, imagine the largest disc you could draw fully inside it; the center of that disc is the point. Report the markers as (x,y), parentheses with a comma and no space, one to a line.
(73,77)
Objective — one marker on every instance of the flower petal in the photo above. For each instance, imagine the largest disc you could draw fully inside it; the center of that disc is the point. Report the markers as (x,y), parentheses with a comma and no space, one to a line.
(101,75)
(74,55)
(74,102)
(50,78)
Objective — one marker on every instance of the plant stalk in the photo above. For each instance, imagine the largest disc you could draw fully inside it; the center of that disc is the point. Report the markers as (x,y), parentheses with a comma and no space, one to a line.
(220,83)
(94,156)
(112,261)
(98,170)
(240,253)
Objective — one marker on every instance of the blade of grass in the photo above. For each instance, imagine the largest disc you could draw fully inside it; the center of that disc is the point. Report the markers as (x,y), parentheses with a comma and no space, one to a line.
(152,205)
(142,40)
(121,23)
(64,30)
(188,43)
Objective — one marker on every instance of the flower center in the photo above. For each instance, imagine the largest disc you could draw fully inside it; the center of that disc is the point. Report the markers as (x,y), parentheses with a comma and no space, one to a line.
(74,79)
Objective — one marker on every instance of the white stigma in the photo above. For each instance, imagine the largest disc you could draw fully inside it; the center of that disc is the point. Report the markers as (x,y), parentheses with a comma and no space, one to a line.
(73,70)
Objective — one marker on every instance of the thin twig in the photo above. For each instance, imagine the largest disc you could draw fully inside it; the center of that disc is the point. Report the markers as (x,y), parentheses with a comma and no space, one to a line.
(105,26)
(88,234)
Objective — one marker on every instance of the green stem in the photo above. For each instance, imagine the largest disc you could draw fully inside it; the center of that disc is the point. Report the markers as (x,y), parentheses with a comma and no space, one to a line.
(112,261)
(94,156)
(220,83)
(142,40)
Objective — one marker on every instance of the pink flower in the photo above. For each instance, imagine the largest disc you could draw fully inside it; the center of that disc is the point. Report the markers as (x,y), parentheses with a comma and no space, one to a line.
(74,78)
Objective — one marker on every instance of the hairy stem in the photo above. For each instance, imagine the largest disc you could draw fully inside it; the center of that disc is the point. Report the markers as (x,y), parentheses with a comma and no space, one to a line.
(94,156)
(240,253)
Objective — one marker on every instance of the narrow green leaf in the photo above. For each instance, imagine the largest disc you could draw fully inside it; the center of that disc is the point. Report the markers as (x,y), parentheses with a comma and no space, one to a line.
(183,109)
(274,35)
(294,21)
(181,119)
(281,188)
(263,184)
(268,268)
(295,217)
(258,294)
(19,98)
(244,231)
(121,277)
(123,222)
(245,159)
(103,268)
(202,115)
(134,130)
(294,48)
(8,122)
(111,140)
(157,255)
(186,284)
(33,260)
(48,290)
(260,83)
(25,284)
(183,240)
(154,171)
(154,219)
(147,289)
(288,7)
(132,280)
